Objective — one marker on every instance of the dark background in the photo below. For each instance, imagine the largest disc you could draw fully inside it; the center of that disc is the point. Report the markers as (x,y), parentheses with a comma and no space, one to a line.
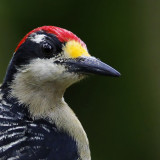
(120,115)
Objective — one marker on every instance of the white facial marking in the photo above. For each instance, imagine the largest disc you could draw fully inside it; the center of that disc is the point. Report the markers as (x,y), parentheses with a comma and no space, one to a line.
(37,38)
(45,81)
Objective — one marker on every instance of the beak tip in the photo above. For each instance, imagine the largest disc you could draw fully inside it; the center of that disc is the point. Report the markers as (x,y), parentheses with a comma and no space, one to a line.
(111,71)
(114,74)
(117,74)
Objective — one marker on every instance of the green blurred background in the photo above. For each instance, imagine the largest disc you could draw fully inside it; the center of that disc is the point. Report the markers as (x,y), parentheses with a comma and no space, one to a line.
(120,115)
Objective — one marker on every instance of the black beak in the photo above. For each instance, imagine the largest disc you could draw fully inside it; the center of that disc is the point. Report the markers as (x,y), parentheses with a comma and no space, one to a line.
(91,65)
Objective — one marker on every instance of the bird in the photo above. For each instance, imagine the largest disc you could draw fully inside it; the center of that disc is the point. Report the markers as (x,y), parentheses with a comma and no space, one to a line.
(35,121)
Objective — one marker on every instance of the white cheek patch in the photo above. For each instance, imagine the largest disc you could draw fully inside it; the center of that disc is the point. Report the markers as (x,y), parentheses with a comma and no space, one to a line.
(45,70)
(37,38)
(41,71)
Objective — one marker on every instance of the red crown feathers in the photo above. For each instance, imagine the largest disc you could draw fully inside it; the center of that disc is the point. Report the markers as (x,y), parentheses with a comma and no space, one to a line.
(62,34)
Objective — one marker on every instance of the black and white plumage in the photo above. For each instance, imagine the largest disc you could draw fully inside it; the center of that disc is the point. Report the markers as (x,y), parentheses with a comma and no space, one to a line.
(21,137)
(35,121)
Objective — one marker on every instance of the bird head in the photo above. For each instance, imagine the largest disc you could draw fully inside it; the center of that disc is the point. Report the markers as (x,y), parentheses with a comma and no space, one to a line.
(50,53)
(47,61)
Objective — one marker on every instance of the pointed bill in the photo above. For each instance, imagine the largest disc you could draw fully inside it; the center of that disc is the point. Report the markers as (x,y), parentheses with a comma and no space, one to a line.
(91,65)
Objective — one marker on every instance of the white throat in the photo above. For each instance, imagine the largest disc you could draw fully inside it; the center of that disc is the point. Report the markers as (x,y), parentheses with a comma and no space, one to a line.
(43,95)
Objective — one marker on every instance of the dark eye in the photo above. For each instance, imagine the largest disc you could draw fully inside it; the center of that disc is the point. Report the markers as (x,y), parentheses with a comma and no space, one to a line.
(47,48)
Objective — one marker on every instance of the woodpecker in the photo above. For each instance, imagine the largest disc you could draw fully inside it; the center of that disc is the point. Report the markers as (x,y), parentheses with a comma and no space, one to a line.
(35,121)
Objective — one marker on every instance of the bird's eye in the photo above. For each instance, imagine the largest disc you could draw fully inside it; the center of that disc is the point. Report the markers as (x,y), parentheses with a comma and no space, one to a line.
(47,48)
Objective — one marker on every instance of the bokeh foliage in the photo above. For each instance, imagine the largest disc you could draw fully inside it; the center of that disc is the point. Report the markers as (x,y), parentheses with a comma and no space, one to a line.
(120,115)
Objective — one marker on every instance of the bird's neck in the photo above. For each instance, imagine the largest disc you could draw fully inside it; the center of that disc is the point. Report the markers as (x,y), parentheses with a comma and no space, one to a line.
(46,101)
(39,97)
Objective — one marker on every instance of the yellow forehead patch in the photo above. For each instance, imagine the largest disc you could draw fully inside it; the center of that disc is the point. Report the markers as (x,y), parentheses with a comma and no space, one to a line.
(74,49)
